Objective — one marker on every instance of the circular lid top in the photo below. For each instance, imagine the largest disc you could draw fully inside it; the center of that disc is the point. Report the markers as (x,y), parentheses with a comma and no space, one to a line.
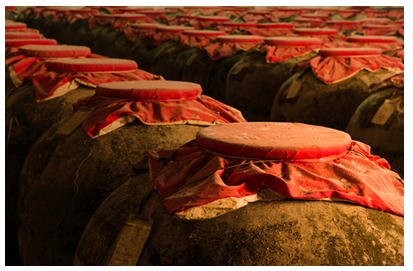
(173,29)
(14,25)
(343,22)
(377,11)
(240,38)
(213,18)
(22,35)
(21,42)
(91,65)
(349,52)
(150,90)
(84,10)
(316,31)
(380,26)
(317,16)
(204,33)
(376,20)
(186,16)
(308,20)
(293,41)
(239,24)
(275,25)
(146,25)
(376,39)
(130,16)
(50,51)
(273,140)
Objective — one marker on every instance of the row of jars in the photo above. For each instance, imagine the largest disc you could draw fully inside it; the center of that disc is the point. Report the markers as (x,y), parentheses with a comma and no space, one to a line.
(42,151)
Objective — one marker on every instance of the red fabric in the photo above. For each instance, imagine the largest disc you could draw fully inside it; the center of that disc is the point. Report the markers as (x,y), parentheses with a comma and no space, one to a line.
(160,37)
(80,15)
(12,9)
(203,10)
(380,31)
(22,35)
(344,25)
(134,34)
(198,177)
(271,32)
(91,65)
(199,40)
(334,68)
(231,27)
(371,13)
(29,30)
(323,17)
(307,22)
(342,12)
(220,50)
(282,53)
(100,20)
(200,108)
(185,20)
(395,53)
(396,14)
(401,32)
(21,42)
(256,18)
(50,51)
(47,83)
(286,14)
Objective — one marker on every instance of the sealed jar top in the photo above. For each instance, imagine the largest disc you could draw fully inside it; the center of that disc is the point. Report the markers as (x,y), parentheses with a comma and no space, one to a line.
(14,25)
(130,16)
(204,33)
(273,140)
(343,22)
(308,20)
(22,35)
(52,51)
(240,38)
(376,39)
(275,25)
(350,52)
(213,18)
(91,65)
(315,31)
(380,26)
(173,29)
(376,21)
(149,90)
(21,42)
(146,25)
(239,24)
(293,41)
(84,10)
(316,16)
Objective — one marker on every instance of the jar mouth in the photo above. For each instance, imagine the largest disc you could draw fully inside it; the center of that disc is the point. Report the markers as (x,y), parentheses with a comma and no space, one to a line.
(173,29)
(21,42)
(157,90)
(203,33)
(273,141)
(91,65)
(55,50)
(349,52)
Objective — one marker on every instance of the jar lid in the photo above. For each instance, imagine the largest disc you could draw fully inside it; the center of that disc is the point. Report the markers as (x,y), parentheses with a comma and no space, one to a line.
(349,52)
(14,25)
(376,39)
(376,11)
(275,25)
(146,25)
(21,42)
(240,38)
(343,22)
(380,26)
(130,16)
(213,18)
(239,24)
(173,29)
(84,10)
(308,20)
(316,16)
(91,65)
(293,41)
(204,33)
(316,31)
(22,35)
(273,140)
(150,90)
(51,51)
(376,21)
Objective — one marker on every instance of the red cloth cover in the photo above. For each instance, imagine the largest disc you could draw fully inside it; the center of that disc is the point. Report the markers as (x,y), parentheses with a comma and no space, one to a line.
(210,22)
(228,45)
(372,13)
(230,27)
(136,32)
(80,14)
(281,48)
(195,176)
(166,33)
(334,68)
(396,14)
(344,25)
(94,71)
(154,102)
(199,38)
(286,13)
(384,43)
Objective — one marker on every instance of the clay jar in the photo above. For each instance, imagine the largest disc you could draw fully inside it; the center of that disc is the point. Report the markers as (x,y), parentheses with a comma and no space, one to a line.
(172,56)
(87,34)
(254,81)
(75,20)
(66,177)
(210,68)
(379,122)
(285,232)
(330,98)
